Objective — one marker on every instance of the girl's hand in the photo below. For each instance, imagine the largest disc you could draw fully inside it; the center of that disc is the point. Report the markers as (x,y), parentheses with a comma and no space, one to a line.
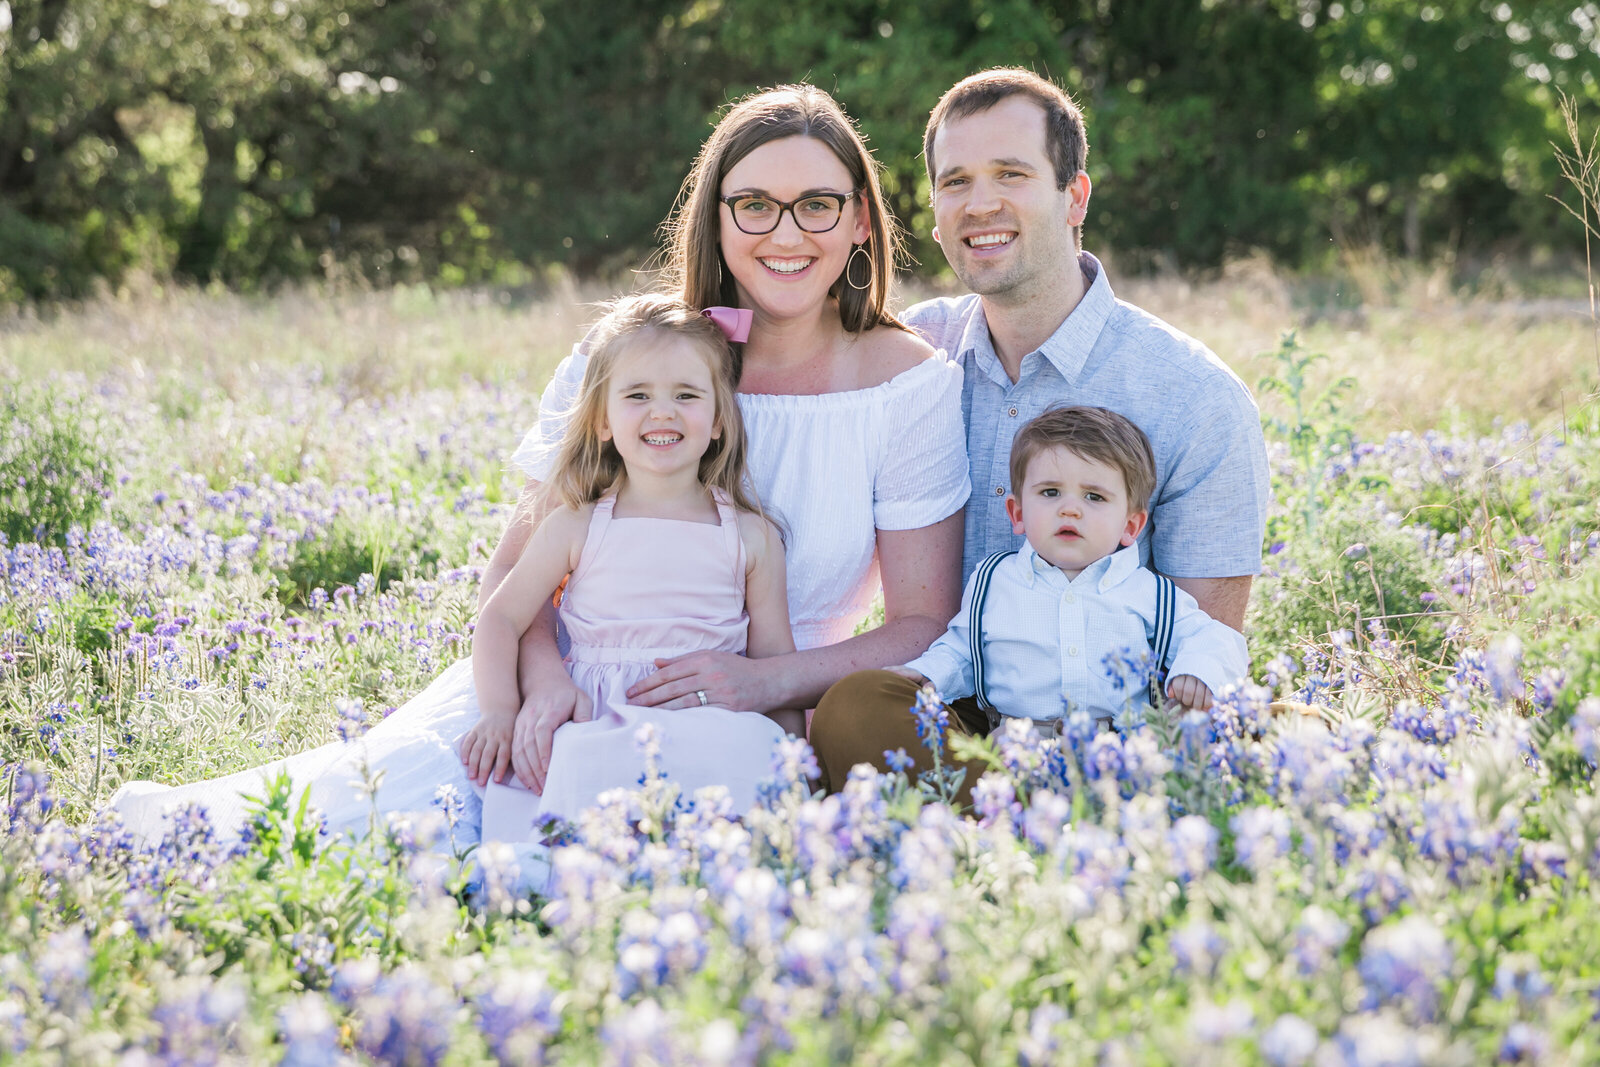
(728,681)
(486,749)
(552,705)
(1189,691)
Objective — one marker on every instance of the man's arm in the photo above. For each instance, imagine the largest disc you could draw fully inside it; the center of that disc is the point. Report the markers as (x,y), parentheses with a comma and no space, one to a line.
(1224,599)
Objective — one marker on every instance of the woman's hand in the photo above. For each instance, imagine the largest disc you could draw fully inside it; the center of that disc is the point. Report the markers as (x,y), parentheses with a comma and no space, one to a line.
(552,703)
(728,681)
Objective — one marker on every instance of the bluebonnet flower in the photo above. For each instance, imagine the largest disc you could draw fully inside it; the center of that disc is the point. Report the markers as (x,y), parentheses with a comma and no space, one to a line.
(1129,671)
(1041,1046)
(1524,1043)
(352,721)
(1193,841)
(309,1035)
(1261,835)
(1318,937)
(923,858)
(1404,962)
(1212,1023)
(1376,1041)
(794,764)
(994,798)
(932,719)
(1288,1042)
(406,1020)
(1586,730)
(63,970)
(1042,822)
(640,1036)
(1520,979)
(447,798)
(1197,948)
(13,1017)
(1548,687)
(898,761)
(1379,886)
(1543,860)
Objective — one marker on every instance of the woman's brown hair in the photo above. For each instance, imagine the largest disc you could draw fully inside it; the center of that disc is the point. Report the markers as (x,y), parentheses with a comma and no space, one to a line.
(693,231)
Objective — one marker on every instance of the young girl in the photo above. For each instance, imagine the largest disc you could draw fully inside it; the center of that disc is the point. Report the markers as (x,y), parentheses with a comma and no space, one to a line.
(664,553)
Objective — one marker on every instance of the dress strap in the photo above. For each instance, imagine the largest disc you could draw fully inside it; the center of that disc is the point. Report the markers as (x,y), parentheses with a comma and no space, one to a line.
(729,517)
(599,520)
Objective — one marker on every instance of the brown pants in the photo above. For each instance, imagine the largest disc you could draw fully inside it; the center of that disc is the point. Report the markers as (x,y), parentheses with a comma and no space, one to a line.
(868,713)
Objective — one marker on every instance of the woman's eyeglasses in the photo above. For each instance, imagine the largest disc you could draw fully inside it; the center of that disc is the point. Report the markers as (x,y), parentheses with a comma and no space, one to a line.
(813,213)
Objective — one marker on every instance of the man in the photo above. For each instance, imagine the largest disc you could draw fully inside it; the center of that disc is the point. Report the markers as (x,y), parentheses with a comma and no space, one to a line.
(1005,152)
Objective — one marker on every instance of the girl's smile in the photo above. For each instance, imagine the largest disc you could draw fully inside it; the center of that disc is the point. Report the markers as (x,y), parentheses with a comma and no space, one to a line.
(660,408)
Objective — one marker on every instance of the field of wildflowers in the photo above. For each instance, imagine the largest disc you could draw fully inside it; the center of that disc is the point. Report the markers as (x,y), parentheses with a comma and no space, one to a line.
(204,569)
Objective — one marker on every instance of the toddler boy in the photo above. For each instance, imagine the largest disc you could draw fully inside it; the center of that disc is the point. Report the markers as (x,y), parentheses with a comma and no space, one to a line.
(1081,479)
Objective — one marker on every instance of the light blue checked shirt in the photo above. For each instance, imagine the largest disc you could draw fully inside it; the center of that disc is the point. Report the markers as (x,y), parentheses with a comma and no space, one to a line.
(1045,637)
(1209,510)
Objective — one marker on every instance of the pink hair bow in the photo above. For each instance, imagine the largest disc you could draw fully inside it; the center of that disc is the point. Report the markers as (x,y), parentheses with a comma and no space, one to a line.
(735,322)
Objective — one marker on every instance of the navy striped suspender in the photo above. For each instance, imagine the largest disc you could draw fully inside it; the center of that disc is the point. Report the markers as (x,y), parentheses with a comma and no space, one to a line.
(1161,646)
(980,592)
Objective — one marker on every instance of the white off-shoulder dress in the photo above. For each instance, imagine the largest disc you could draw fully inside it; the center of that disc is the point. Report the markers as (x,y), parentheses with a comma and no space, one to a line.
(834,468)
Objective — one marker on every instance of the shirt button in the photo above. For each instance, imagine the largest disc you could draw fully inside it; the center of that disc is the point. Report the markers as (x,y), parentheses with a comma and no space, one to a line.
(1072,651)
(1013,413)
(1070,598)
(999,490)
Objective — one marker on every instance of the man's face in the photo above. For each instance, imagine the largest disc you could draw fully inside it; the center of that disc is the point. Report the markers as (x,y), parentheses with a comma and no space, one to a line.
(1004,226)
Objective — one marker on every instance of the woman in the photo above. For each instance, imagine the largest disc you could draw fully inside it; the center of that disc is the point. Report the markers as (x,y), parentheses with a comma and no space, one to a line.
(856,442)
(854,423)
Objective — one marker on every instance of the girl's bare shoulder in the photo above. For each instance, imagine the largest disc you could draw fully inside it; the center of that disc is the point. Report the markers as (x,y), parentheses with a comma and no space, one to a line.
(762,540)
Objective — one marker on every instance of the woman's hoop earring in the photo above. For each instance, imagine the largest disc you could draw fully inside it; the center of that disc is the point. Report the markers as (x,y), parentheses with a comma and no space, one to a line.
(861,250)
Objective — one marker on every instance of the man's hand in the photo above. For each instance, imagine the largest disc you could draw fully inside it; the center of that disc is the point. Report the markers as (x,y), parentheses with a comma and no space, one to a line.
(486,749)
(907,672)
(1189,691)
(552,705)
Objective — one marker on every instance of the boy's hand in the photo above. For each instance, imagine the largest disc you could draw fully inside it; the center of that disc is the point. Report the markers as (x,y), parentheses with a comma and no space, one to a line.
(907,672)
(486,749)
(1189,691)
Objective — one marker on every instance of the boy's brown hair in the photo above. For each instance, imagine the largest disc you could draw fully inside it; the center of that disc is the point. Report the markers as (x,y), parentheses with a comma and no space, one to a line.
(1099,434)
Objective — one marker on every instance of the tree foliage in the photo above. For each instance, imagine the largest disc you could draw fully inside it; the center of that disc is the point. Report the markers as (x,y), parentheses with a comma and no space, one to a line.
(251,140)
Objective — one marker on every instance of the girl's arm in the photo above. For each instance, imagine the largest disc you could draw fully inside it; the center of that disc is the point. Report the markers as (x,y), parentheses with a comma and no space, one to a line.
(921,572)
(550,555)
(766,600)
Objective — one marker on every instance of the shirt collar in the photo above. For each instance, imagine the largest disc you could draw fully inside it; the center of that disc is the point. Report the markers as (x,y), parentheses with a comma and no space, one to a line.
(1068,348)
(1104,574)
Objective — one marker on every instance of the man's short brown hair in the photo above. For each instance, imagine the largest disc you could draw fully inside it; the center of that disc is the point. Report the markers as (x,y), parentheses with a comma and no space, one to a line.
(1064,137)
(1099,434)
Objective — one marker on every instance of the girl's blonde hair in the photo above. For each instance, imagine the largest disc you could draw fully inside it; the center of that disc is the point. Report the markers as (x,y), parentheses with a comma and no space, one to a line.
(586,467)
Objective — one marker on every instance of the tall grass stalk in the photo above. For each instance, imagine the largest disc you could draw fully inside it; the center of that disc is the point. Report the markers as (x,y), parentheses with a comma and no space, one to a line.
(1581,168)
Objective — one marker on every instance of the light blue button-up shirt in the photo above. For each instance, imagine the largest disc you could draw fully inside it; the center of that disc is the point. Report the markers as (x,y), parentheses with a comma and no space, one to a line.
(1209,510)
(1046,637)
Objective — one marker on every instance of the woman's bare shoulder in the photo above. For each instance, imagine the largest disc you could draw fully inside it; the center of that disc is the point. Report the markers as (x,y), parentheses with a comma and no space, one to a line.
(885,353)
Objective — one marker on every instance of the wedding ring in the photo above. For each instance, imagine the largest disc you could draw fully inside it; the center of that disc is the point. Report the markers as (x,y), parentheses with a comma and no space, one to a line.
(701,693)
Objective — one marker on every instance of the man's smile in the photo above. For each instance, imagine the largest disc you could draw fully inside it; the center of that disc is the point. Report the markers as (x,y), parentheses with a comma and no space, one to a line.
(983,241)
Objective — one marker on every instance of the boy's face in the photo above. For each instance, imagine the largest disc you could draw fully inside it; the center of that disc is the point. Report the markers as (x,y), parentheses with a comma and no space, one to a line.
(1073,510)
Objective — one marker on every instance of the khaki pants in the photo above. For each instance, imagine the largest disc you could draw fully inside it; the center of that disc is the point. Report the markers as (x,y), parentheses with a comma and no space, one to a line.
(868,713)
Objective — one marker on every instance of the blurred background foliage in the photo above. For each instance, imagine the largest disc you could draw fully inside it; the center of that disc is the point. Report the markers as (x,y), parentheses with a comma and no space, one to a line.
(248,142)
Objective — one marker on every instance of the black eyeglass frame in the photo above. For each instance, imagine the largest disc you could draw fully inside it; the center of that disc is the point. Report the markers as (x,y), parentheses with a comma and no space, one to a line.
(841,198)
